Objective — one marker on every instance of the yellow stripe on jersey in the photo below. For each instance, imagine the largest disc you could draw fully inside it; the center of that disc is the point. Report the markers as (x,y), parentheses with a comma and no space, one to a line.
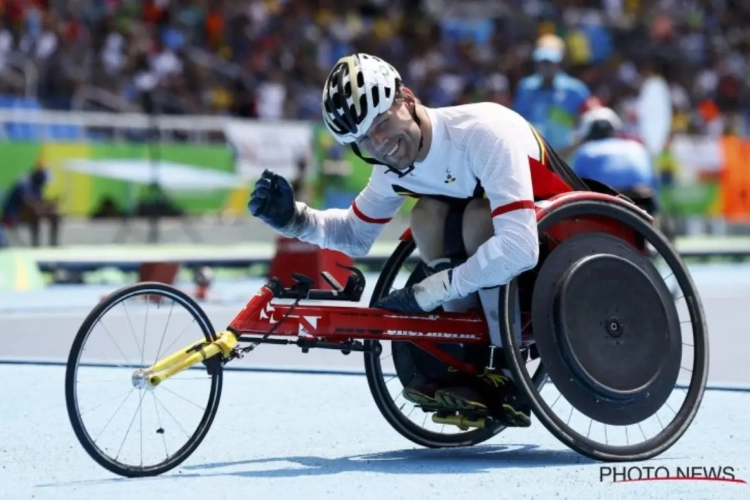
(542,147)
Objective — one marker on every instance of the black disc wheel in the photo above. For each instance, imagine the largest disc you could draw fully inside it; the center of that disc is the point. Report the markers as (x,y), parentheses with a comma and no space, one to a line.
(627,359)
(397,362)
(127,426)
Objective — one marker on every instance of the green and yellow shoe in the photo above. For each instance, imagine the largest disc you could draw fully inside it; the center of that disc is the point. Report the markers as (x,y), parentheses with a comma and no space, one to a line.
(490,393)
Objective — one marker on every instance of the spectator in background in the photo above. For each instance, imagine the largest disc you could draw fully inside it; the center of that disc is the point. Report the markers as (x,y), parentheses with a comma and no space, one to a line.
(25,203)
(6,44)
(620,163)
(551,99)
(265,59)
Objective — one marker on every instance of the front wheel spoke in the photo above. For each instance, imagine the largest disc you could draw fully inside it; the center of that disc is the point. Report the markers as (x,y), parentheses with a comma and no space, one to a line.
(172,416)
(104,403)
(113,414)
(132,420)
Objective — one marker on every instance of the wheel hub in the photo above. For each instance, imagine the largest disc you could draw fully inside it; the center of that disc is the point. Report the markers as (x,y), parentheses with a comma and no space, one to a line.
(614,327)
(141,380)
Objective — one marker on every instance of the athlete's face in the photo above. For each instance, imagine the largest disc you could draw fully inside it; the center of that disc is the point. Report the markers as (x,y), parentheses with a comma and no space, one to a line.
(393,137)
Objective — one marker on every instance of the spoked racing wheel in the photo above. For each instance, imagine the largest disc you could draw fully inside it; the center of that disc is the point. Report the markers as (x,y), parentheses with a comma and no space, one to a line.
(406,360)
(127,426)
(609,333)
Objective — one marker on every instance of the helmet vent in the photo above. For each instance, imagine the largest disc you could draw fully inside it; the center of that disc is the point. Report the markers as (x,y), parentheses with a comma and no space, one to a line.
(375,97)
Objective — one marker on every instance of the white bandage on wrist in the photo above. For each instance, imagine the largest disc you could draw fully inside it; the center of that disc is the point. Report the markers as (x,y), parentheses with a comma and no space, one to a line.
(431,292)
(436,289)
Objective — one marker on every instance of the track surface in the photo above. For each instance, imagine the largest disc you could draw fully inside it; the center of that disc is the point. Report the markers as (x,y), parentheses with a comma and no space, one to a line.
(291,436)
(321,436)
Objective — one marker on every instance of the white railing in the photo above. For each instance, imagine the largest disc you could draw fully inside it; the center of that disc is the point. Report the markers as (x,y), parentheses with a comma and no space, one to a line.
(205,123)
(198,128)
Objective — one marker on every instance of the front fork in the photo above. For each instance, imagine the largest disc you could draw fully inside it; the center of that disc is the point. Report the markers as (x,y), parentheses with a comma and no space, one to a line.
(150,377)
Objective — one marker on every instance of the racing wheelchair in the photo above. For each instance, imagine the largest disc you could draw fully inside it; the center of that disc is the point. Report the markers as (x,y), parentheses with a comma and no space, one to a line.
(595,317)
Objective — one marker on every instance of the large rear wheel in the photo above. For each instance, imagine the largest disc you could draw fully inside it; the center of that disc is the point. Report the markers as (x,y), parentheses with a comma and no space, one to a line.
(618,346)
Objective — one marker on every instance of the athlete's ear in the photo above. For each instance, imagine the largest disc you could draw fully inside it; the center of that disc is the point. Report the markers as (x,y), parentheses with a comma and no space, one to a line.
(407,95)
(406,91)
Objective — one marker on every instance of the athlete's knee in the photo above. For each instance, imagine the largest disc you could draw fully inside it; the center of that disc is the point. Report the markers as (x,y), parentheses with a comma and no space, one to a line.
(428,211)
(427,222)
(477,225)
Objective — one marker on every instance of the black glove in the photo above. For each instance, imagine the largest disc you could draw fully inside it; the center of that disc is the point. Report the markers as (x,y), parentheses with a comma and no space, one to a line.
(402,301)
(272,200)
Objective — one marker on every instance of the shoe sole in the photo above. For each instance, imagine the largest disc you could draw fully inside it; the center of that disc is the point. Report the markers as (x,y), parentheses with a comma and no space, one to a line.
(434,403)
(451,401)
(510,417)
(419,398)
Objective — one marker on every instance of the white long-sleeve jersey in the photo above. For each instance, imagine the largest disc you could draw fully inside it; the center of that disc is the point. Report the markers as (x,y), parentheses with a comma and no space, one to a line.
(483,143)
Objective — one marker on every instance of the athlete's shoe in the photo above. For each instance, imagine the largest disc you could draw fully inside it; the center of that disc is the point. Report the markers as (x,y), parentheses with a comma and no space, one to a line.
(422,393)
(492,393)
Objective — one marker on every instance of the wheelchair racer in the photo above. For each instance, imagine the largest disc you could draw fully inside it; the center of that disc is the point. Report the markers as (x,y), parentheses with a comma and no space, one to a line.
(477,170)
(621,163)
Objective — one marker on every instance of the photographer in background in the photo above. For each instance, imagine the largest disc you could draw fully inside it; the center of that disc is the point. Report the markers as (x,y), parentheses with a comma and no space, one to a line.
(24,203)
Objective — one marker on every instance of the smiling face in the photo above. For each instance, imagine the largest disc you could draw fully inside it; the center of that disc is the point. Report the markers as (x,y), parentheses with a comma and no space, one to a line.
(393,138)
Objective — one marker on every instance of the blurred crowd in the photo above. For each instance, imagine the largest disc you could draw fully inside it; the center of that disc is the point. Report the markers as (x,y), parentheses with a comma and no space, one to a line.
(268,58)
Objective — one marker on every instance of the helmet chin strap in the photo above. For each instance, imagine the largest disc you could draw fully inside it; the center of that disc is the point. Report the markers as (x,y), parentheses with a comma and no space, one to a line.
(406,171)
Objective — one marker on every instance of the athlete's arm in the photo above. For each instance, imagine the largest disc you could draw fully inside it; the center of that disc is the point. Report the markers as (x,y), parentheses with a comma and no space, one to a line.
(351,231)
(501,163)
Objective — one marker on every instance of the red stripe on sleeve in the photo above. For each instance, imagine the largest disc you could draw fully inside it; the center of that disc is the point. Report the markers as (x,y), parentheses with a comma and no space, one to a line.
(510,207)
(365,218)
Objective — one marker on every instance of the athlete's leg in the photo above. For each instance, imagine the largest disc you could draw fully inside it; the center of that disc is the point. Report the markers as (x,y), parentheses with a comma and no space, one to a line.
(477,224)
(433,222)
(430,220)
(427,222)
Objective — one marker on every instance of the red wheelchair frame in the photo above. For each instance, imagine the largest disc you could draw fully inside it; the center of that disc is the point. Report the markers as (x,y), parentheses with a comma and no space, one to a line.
(340,327)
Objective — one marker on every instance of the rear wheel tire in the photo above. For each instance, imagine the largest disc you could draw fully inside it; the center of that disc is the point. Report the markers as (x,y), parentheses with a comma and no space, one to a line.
(670,433)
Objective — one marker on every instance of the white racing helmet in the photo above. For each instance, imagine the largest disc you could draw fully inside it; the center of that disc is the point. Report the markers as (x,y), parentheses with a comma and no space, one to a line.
(358,89)
(597,121)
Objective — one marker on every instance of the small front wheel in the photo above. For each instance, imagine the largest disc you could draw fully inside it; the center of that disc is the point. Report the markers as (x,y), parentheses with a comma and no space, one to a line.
(126,425)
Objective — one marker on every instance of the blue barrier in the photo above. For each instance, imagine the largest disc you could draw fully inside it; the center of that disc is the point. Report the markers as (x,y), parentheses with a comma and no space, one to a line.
(22,131)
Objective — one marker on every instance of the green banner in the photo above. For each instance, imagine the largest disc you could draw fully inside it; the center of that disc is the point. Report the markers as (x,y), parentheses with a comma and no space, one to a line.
(691,199)
(86,174)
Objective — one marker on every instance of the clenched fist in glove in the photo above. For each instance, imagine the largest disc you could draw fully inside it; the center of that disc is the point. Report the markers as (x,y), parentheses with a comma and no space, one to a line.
(272,200)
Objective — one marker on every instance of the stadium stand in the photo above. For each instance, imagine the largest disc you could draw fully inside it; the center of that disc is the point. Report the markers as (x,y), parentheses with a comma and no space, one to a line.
(266,58)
